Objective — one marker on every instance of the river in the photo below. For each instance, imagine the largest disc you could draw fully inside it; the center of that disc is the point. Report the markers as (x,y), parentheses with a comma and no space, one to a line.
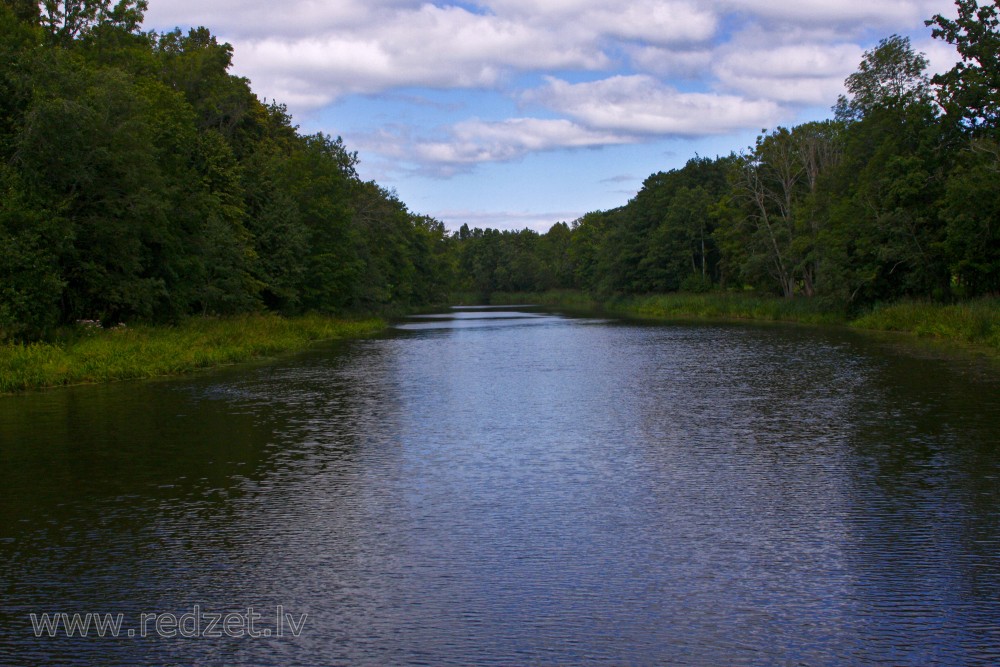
(515,486)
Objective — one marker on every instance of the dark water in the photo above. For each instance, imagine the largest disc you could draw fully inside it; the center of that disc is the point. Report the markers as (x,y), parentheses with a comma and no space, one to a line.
(517,488)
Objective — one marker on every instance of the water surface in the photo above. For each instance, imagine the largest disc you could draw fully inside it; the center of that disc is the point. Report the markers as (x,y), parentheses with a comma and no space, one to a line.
(511,486)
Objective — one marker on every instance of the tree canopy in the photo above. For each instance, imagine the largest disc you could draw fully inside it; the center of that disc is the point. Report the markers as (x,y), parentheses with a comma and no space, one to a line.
(141,180)
(895,197)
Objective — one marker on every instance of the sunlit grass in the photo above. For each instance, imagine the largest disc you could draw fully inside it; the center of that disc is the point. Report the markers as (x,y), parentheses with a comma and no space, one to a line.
(143,352)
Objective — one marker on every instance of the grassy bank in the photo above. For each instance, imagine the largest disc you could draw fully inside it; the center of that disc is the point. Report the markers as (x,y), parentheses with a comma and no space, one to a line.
(714,305)
(730,307)
(90,354)
(973,323)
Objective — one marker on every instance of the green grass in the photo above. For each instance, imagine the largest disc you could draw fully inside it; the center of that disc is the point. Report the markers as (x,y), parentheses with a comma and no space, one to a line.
(144,352)
(89,356)
(972,323)
(729,306)
(975,323)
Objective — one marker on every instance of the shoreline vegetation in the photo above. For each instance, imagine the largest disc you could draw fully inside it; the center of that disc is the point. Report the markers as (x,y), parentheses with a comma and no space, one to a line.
(89,354)
(203,204)
(973,324)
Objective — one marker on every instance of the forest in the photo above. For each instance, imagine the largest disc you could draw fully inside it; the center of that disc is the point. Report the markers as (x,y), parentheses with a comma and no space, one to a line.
(142,181)
(896,197)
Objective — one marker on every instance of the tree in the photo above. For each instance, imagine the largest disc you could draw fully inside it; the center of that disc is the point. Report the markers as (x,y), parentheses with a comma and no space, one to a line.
(23,10)
(31,240)
(890,74)
(198,65)
(768,181)
(970,95)
(556,258)
(971,212)
(67,20)
(970,91)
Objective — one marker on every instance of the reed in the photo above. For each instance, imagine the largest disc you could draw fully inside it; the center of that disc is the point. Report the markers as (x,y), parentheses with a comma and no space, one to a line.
(729,306)
(972,322)
(88,354)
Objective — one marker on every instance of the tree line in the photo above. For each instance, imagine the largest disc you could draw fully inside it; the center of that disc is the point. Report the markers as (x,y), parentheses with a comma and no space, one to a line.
(141,180)
(897,196)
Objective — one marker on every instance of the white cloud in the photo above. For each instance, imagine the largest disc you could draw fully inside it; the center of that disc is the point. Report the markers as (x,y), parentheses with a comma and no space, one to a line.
(465,144)
(642,105)
(668,68)
(941,56)
(431,46)
(658,23)
(686,64)
(312,52)
(242,19)
(796,74)
(847,14)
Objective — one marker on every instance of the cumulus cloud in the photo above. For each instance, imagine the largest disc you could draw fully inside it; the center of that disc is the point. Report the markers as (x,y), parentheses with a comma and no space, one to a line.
(614,73)
(796,74)
(941,56)
(436,47)
(463,145)
(847,14)
(642,105)
(686,64)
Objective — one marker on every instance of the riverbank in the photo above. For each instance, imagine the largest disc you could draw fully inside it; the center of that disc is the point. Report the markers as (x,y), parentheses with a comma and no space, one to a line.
(973,324)
(89,354)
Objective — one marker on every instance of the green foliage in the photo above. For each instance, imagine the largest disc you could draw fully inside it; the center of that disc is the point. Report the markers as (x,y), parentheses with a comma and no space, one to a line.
(729,306)
(126,353)
(885,202)
(973,322)
(30,283)
(970,209)
(67,20)
(142,182)
(970,91)
(891,200)
(891,74)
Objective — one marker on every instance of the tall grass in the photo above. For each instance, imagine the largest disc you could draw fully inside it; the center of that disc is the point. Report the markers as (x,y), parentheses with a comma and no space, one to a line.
(143,352)
(975,323)
(731,306)
(972,322)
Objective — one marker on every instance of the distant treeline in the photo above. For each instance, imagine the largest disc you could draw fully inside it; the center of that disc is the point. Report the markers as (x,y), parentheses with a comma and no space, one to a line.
(141,181)
(898,196)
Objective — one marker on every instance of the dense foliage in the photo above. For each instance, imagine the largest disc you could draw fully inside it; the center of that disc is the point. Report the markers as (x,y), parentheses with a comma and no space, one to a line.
(895,197)
(141,181)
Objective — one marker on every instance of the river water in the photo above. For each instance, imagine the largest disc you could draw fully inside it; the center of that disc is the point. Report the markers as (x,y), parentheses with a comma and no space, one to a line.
(515,486)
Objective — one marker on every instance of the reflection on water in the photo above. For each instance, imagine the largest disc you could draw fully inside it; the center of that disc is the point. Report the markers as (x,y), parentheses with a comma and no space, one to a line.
(514,486)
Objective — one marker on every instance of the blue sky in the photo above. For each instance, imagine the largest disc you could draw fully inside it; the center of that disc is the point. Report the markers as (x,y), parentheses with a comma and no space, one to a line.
(523,113)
